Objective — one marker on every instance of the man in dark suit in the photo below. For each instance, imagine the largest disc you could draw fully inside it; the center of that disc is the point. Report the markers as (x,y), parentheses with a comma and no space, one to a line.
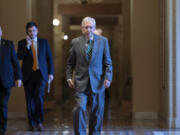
(10,75)
(37,69)
(91,61)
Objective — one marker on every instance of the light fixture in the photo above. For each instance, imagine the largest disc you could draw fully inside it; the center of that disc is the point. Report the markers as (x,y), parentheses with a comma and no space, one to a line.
(65,37)
(56,22)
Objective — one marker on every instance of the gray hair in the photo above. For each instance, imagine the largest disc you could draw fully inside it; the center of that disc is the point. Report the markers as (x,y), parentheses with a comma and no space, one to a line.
(89,19)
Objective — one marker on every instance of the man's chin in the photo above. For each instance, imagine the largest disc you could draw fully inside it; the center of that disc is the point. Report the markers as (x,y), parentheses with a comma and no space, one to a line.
(32,37)
(88,36)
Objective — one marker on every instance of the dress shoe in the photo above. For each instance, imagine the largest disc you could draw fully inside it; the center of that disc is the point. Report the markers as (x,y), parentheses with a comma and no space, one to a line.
(40,127)
(2,132)
(31,128)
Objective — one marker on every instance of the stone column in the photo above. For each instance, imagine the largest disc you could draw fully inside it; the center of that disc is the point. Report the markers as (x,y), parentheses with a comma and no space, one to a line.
(171,106)
(177,10)
(127,76)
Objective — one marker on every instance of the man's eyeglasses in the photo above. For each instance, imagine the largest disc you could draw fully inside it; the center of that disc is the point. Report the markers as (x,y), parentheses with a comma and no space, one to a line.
(87,27)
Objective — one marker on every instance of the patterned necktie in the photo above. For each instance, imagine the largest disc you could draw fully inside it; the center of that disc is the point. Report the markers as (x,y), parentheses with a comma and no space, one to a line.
(89,49)
(35,67)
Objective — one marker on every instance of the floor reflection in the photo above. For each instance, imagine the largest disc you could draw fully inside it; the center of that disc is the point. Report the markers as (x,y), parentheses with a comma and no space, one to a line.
(117,121)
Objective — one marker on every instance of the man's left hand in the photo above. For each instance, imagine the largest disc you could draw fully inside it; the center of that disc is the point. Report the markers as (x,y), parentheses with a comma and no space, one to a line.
(18,83)
(50,77)
(107,83)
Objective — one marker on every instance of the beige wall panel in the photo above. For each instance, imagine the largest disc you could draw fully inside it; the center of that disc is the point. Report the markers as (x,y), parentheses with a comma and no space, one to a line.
(13,17)
(145,55)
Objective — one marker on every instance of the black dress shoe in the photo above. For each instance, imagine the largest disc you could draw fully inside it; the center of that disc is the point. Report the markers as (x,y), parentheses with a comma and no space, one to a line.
(2,132)
(40,127)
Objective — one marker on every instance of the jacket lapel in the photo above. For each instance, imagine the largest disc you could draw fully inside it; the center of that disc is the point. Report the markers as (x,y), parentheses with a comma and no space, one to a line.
(38,47)
(1,50)
(95,47)
(3,43)
(83,47)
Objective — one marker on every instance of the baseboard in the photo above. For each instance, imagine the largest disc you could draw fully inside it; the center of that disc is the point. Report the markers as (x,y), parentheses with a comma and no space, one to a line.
(173,122)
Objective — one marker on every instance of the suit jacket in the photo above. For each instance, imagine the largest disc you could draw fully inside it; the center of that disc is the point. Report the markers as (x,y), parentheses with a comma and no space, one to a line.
(97,69)
(9,64)
(45,59)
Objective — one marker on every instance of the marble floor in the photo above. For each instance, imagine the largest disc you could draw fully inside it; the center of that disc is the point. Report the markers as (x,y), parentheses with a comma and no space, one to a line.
(117,121)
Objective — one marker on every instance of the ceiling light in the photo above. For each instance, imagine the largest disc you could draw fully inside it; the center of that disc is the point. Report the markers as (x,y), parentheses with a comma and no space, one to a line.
(56,22)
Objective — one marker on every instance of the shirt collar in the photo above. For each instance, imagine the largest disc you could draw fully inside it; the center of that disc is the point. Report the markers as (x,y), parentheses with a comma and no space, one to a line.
(91,38)
(35,39)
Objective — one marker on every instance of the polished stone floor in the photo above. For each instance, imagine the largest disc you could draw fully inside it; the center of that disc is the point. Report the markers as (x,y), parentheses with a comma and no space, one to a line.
(117,121)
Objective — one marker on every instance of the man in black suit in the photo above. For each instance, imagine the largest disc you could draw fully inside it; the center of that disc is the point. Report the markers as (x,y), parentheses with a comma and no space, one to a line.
(10,75)
(37,69)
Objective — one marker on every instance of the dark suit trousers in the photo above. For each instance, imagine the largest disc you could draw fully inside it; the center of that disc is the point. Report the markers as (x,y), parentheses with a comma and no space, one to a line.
(96,112)
(34,92)
(4,97)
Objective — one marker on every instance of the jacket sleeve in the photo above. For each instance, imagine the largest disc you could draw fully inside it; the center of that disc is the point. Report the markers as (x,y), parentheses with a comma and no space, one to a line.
(22,50)
(107,62)
(49,59)
(15,63)
(70,63)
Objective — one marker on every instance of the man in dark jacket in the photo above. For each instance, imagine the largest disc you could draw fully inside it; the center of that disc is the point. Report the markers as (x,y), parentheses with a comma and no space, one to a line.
(10,75)
(37,69)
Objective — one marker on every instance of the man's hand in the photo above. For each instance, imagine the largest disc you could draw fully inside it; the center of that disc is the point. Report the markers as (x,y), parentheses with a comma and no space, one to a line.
(107,83)
(70,83)
(29,42)
(18,83)
(50,78)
